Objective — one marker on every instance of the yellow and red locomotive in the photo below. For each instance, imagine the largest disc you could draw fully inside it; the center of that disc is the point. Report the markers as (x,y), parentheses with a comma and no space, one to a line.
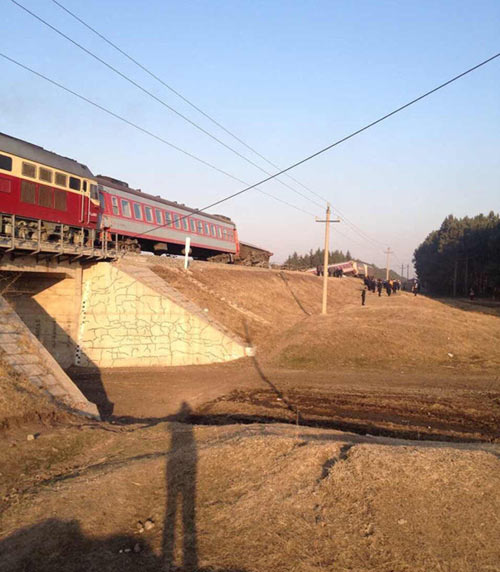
(49,202)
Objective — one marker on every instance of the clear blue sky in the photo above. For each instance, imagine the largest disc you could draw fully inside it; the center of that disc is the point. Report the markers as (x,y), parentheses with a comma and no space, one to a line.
(288,78)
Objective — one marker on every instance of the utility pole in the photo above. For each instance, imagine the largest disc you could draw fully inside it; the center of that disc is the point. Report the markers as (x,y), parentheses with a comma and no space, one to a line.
(407,272)
(387,267)
(402,270)
(327,222)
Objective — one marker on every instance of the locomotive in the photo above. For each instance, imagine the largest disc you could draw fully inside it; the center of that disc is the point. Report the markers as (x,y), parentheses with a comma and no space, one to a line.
(51,201)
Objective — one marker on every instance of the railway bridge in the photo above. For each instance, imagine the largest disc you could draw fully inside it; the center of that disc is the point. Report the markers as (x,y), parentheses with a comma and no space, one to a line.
(87,308)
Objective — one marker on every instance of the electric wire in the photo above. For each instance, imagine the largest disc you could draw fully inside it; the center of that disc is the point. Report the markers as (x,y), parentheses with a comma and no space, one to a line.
(158,99)
(147,132)
(358,231)
(181,96)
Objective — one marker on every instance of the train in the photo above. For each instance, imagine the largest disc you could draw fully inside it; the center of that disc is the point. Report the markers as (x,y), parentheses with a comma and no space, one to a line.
(51,199)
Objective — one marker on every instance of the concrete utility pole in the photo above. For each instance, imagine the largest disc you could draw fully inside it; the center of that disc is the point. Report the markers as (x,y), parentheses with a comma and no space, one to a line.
(327,222)
(402,270)
(407,272)
(387,267)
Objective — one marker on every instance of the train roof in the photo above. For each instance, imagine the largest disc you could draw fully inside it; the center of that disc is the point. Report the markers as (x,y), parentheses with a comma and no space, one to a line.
(123,186)
(33,152)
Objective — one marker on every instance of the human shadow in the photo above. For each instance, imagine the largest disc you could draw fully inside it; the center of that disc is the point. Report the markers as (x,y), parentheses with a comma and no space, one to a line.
(181,471)
(56,545)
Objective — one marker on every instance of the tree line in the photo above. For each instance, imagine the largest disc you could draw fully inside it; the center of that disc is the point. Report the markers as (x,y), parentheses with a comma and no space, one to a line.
(463,254)
(313,259)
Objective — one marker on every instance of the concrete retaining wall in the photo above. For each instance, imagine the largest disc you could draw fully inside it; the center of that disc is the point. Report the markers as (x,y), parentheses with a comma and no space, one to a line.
(130,317)
(27,356)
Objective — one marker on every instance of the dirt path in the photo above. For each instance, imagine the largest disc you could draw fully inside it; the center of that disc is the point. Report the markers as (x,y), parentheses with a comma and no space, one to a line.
(429,405)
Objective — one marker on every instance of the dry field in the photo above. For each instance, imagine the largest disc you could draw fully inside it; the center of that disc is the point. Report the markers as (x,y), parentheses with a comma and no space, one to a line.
(350,442)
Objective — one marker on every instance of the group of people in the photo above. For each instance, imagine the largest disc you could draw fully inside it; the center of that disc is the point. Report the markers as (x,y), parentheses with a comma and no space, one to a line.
(372,284)
(335,272)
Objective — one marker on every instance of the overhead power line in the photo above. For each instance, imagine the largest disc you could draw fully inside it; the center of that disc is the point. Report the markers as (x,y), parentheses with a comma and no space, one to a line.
(147,132)
(180,95)
(354,133)
(157,99)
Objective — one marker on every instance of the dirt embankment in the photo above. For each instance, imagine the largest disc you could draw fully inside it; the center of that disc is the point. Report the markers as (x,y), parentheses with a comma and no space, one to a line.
(279,312)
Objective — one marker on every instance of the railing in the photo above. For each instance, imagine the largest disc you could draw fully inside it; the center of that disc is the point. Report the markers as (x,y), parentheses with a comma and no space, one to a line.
(29,237)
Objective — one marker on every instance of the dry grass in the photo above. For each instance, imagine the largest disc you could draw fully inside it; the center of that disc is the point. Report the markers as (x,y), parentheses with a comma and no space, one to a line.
(20,401)
(281,313)
(268,499)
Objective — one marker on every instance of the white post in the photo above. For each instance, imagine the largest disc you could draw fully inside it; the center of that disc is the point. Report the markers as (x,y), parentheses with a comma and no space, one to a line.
(186,252)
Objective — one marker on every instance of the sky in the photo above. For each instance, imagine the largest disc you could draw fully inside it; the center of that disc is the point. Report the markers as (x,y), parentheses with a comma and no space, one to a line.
(288,78)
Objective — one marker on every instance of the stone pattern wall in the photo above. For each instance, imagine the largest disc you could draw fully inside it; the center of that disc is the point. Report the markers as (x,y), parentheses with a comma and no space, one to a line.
(130,317)
(27,356)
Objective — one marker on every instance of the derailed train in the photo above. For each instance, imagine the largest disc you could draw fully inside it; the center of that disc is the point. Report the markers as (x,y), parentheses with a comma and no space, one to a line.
(53,198)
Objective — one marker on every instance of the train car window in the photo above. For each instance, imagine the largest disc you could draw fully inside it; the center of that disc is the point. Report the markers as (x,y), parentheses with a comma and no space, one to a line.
(200,227)
(28,192)
(207,230)
(45,175)
(149,214)
(158,216)
(126,208)
(114,206)
(185,223)
(29,170)
(177,222)
(137,211)
(74,183)
(4,185)
(5,163)
(224,233)
(219,232)
(212,228)
(60,200)
(61,179)
(93,192)
(193,225)
(45,196)
(168,218)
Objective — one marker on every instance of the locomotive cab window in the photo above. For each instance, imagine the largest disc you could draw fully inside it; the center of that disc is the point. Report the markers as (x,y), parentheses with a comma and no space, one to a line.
(114,206)
(93,192)
(158,216)
(5,163)
(126,208)
(29,170)
(149,214)
(137,211)
(74,183)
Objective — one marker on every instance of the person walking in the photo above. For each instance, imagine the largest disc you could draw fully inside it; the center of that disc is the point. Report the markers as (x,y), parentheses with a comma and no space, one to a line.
(379,287)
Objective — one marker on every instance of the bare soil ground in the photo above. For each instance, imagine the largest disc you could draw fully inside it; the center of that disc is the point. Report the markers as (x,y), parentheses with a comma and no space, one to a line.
(363,440)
